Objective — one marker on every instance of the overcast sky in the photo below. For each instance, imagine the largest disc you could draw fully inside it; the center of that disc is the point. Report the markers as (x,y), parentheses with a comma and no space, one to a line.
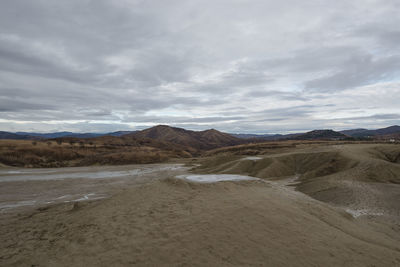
(235,65)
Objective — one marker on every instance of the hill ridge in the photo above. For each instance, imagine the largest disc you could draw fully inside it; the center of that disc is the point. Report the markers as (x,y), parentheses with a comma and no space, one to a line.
(199,140)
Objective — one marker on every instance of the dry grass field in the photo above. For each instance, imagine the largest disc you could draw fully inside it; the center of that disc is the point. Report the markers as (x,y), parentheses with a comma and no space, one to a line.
(72,152)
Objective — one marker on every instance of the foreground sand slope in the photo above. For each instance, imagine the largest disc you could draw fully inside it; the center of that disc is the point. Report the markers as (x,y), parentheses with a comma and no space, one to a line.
(179,223)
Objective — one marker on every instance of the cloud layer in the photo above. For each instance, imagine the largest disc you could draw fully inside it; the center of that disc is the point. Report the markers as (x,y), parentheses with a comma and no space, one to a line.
(239,66)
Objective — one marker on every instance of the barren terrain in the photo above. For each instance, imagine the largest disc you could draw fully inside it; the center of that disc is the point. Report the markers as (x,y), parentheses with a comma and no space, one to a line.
(312,205)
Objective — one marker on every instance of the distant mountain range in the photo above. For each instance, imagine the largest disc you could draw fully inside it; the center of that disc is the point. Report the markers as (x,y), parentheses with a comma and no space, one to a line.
(312,135)
(373,133)
(208,139)
(250,136)
(320,135)
(266,137)
(32,135)
(15,136)
(392,131)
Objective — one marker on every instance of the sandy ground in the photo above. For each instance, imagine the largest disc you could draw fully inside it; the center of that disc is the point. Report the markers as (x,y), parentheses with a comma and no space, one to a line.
(295,215)
(24,189)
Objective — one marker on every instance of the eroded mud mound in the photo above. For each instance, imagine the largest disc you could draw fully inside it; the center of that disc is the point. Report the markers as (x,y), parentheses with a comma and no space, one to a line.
(357,177)
(386,153)
(308,165)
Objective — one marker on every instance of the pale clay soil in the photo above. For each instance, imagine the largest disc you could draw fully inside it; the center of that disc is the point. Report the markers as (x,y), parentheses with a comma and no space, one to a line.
(169,215)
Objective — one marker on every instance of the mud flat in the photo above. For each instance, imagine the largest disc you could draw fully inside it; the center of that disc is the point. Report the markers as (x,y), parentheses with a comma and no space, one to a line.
(251,158)
(29,188)
(213,178)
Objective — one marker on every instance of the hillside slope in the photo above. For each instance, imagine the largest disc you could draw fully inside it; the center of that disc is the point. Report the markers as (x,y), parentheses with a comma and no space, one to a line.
(14,136)
(320,135)
(201,140)
(392,130)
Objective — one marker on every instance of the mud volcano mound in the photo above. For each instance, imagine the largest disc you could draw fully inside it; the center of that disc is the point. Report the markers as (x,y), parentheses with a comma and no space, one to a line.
(309,165)
(354,176)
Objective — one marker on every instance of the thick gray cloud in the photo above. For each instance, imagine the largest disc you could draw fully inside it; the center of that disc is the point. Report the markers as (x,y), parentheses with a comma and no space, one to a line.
(240,66)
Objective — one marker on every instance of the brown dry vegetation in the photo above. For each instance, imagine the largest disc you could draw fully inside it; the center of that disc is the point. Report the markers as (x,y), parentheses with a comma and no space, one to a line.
(109,150)
(74,152)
